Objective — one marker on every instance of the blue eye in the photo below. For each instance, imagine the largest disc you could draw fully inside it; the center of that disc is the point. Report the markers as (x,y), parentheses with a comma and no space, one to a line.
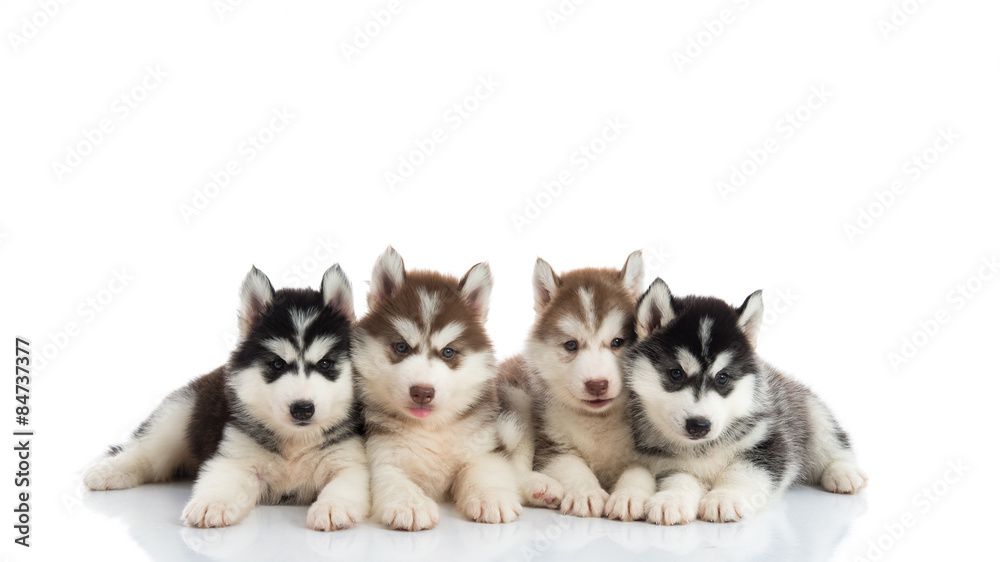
(278,365)
(676,375)
(721,379)
(571,345)
(401,347)
(447,353)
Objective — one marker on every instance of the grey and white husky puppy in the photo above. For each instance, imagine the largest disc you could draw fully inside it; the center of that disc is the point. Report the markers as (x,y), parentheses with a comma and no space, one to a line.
(722,431)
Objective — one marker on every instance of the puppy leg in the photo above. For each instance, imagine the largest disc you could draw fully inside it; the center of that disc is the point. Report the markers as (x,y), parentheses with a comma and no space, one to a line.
(486,490)
(741,490)
(398,502)
(155,453)
(837,470)
(346,498)
(225,492)
(628,497)
(676,501)
(583,496)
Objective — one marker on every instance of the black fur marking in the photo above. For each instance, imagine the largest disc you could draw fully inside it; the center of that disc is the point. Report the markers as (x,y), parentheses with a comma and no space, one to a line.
(115,450)
(770,455)
(841,435)
(352,426)
(209,415)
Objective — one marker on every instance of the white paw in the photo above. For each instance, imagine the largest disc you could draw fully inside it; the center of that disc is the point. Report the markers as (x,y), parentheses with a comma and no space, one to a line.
(413,514)
(540,490)
(324,516)
(497,506)
(670,508)
(626,505)
(584,503)
(104,475)
(725,506)
(209,514)
(843,478)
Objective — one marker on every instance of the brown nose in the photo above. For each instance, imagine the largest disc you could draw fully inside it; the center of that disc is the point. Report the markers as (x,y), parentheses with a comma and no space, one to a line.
(597,388)
(422,394)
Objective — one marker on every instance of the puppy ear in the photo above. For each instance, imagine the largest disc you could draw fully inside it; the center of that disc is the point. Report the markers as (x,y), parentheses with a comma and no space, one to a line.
(336,291)
(634,273)
(256,295)
(476,286)
(545,283)
(387,275)
(655,308)
(751,316)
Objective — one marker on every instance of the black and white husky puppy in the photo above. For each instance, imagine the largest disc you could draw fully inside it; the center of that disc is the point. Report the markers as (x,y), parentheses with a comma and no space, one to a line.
(278,423)
(722,431)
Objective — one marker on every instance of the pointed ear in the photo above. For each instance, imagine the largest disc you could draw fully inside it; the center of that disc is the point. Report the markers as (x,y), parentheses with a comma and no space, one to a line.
(655,308)
(751,316)
(545,283)
(336,291)
(476,286)
(387,275)
(634,273)
(256,295)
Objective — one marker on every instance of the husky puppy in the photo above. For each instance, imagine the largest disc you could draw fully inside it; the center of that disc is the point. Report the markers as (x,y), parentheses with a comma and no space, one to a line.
(568,391)
(278,423)
(426,375)
(723,431)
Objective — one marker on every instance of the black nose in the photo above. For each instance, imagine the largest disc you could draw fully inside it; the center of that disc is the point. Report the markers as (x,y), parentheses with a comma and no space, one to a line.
(422,394)
(302,410)
(698,427)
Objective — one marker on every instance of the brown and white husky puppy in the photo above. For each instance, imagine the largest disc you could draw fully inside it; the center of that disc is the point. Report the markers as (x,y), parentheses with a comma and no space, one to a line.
(278,423)
(567,398)
(426,375)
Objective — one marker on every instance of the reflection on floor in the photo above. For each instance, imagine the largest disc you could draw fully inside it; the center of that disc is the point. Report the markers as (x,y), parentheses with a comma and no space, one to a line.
(806,525)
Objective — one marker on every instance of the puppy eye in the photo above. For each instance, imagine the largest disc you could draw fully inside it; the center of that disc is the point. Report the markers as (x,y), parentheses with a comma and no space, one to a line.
(617,342)
(447,353)
(324,365)
(401,347)
(571,345)
(721,379)
(676,375)
(278,365)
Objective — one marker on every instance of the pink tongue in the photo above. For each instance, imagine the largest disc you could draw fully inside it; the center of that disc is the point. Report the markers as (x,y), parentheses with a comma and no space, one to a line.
(420,412)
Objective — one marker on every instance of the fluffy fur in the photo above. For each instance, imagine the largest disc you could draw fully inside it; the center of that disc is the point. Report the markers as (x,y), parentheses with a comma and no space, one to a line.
(565,398)
(278,423)
(723,432)
(426,375)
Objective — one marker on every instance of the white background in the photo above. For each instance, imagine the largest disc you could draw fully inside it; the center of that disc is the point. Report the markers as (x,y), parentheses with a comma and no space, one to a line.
(317,194)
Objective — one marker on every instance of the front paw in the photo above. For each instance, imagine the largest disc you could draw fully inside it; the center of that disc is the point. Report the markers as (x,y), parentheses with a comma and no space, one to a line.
(412,514)
(540,490)
(491,507)
(669,508)
(104,475)
(843,478)
(213,513)
(323,516)
(584,503)
(626,505)
(725,506)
